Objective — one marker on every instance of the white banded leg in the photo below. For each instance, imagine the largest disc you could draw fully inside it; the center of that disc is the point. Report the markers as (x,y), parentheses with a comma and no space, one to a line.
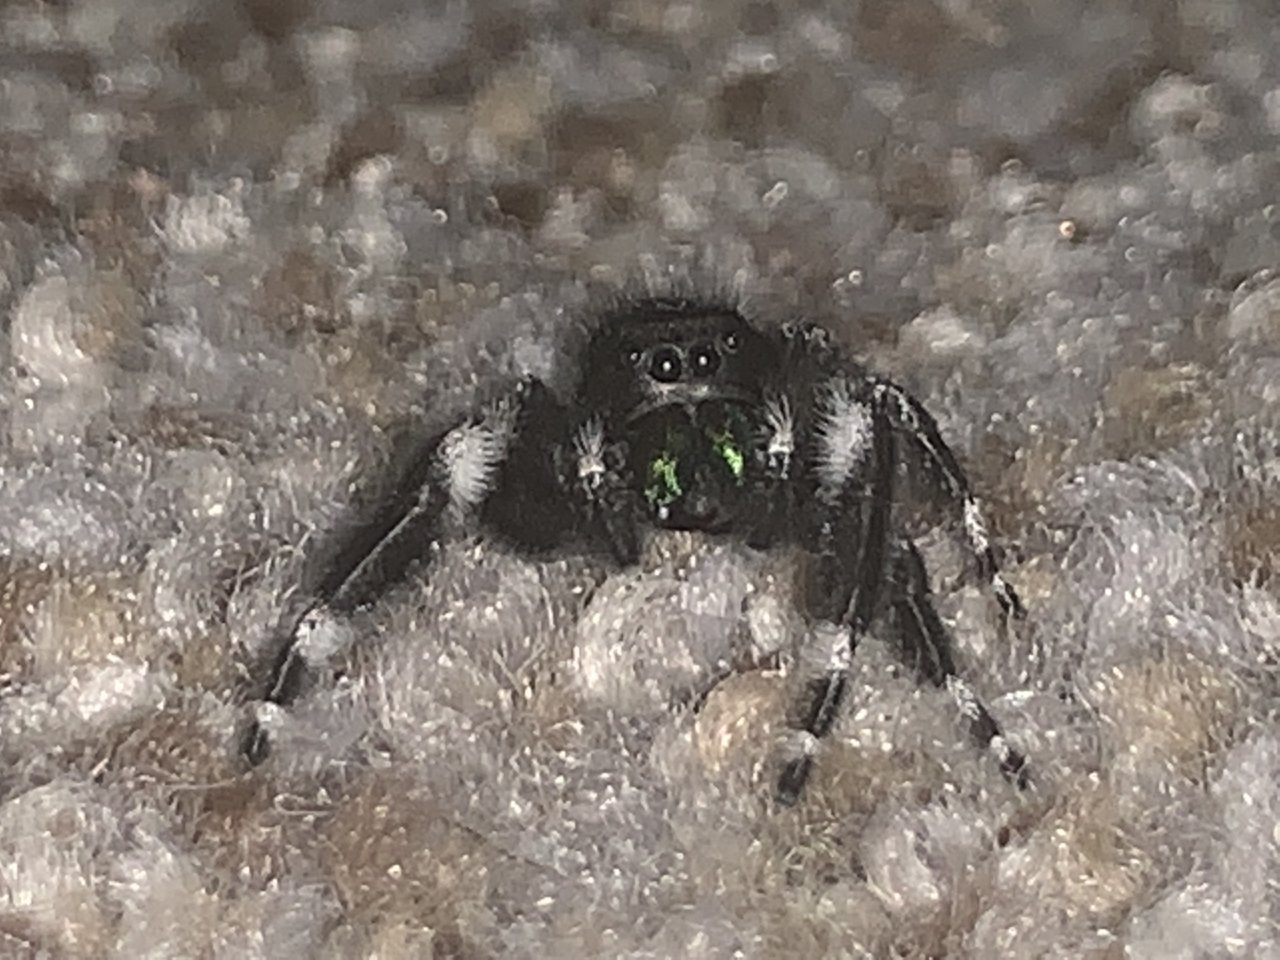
(454,478)
(857,458)
(927,645)
(909,416)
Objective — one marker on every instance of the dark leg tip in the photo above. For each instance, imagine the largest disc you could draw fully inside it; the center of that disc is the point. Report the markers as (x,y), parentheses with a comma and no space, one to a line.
(256,746)
(1017,770)
(1016,608)
(792,782)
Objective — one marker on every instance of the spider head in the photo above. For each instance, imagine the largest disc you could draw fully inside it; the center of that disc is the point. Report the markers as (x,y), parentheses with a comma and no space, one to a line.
(677,380)
(671,353)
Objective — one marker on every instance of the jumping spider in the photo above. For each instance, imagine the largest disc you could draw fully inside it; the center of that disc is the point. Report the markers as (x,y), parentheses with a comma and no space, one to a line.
(686,416)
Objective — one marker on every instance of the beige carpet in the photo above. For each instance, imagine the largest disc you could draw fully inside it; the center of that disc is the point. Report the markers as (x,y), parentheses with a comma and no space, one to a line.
(242,243)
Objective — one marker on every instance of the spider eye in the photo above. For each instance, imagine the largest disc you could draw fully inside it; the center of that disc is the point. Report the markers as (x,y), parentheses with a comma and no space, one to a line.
(704,359)
(665,367)
(633,357)
(730,342)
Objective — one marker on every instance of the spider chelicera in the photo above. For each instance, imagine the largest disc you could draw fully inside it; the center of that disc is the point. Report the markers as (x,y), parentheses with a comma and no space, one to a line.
(686,416)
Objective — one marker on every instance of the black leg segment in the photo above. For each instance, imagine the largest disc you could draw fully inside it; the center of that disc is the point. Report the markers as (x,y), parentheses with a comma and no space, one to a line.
(862,569)
(914,421)
(854,542)
(450,474)
(927,646)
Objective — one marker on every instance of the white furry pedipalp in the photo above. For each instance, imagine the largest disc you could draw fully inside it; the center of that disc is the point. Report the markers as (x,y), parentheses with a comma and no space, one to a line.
(588,445)
(781,426)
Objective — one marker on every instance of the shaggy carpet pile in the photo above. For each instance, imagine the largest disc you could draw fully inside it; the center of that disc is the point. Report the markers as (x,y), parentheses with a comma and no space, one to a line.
(250,248)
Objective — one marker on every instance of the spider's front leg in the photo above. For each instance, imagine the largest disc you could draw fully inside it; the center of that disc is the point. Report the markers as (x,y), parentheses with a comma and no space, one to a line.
(856,461)
(454,479)
(857,424)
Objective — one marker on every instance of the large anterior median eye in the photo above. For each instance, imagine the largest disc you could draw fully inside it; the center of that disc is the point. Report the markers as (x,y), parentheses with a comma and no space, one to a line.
(665,367)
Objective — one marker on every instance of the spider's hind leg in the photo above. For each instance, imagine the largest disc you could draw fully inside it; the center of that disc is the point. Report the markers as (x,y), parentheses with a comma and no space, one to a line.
(927,645)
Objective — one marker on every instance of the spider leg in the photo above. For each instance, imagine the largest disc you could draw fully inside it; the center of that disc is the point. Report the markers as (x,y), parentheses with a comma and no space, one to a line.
(852,558)
(366,561)
(446,480)
(909,416)
(927,647)
(857,460)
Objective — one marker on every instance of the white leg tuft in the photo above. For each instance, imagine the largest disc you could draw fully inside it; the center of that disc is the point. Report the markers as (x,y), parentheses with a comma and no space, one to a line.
(844,431)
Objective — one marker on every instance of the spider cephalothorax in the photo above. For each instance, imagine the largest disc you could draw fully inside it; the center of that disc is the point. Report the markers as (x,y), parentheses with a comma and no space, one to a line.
(681,389)
(683,415)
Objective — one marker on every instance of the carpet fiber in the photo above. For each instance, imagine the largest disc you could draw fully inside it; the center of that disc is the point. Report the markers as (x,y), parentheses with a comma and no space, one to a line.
(249,250)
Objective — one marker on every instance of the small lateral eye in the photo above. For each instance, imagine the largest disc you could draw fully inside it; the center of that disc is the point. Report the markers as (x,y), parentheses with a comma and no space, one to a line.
(704,359)
(633,357)
(730,342)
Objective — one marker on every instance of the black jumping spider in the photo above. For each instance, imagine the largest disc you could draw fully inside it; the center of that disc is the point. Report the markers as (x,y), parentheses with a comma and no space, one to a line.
(685,416)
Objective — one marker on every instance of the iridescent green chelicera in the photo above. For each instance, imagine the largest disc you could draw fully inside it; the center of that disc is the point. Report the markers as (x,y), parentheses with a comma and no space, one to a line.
(730,453)
(663,488)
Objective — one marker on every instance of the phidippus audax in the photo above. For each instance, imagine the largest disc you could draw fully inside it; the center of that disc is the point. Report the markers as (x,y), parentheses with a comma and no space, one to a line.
(686,416)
